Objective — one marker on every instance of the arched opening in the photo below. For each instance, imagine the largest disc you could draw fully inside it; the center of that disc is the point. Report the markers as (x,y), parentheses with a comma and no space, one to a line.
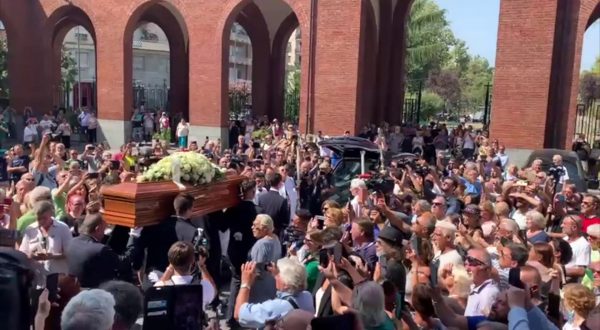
(587,122)
(448,71)
(77,88)
(240,73)
(293,62)
(275,60)
(72,66)
(156,69)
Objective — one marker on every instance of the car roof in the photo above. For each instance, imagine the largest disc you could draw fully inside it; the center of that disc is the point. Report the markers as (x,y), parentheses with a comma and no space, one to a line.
(549,153)
(342,144)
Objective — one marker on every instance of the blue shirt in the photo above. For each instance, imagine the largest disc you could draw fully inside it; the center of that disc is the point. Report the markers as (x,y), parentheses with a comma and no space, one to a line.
(520,319)
(472,188)
(256,315)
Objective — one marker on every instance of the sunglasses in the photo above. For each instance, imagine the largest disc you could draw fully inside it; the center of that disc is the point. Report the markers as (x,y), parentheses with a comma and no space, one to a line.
(475,262)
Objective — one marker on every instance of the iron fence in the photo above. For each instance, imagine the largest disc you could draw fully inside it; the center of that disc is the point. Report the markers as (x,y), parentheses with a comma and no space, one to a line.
(588,120)
(152,97)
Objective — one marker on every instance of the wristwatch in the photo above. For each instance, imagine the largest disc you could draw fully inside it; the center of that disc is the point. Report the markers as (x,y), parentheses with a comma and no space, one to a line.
(244,286)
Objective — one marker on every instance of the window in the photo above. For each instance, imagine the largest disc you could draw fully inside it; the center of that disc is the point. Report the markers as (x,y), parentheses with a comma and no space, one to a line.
(138,63)
(83,57)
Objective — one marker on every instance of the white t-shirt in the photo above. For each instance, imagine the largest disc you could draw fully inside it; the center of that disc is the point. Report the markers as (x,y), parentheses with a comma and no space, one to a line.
(520,219)
(30,133)
(581,252)
(450,257)
(46,126)
(469,141)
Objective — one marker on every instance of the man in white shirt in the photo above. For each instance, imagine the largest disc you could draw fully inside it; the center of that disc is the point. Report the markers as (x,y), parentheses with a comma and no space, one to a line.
(46,240)
(179,272)
(484,290)
(443,242)
(557,163)
(571,227)
(288,189)
(358,189)
(47,125)
(84,120)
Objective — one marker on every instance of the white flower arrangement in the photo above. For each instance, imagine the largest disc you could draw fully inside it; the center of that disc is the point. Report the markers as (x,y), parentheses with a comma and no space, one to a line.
(189,167)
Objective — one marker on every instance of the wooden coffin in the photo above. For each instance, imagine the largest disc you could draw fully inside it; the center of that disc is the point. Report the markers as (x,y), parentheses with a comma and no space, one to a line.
(142,204)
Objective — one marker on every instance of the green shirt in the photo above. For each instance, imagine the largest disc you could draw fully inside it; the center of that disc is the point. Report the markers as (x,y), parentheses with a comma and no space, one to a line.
(25,220)
(388,324)
(312,272)
(59,201)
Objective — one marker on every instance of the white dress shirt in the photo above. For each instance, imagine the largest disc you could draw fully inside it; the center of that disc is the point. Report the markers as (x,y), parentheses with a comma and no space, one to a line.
(208,291)
(59,237)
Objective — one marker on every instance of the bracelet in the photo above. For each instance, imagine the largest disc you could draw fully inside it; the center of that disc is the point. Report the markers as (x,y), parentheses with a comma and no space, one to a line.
(245,286)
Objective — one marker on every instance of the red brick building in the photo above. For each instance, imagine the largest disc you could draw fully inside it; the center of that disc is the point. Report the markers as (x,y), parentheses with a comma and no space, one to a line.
(353,55)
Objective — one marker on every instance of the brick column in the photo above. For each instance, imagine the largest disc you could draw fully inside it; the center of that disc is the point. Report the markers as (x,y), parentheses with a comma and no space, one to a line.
(336,68)
(534,70)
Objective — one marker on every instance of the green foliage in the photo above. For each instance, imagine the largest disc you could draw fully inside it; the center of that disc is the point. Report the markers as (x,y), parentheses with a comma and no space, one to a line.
(473,84)
(68,67)
(4,91)
(292,96)
(441,61)
(261,134)
(431,105)
(239,96)
(429,41)
(446,85)
(589,87)
(163,135)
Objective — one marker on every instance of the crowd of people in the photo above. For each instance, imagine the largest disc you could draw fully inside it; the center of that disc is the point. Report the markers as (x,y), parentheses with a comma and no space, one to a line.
(450,235)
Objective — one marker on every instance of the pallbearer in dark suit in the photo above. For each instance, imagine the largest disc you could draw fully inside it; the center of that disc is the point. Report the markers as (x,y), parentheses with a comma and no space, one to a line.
(274,205)
(91,261)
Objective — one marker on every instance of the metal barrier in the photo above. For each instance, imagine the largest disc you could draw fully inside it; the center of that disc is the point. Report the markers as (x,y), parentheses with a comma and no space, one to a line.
(588,120)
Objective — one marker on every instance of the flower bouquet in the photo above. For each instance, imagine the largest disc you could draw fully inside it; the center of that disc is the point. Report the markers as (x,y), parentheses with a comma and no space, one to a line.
(183,167)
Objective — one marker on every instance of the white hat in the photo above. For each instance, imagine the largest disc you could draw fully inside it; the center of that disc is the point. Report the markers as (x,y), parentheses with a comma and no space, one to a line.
(358,183)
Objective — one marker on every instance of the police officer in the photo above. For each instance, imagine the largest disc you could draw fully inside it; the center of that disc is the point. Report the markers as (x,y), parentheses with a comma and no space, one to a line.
(157,239)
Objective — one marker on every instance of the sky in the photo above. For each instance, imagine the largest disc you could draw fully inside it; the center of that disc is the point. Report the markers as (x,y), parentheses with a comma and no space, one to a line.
(476,22)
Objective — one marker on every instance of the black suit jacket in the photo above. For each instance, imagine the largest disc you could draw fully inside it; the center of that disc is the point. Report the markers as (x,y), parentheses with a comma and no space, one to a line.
(239,220)
(277,207)
(325,308)
(92,262)
(157,240)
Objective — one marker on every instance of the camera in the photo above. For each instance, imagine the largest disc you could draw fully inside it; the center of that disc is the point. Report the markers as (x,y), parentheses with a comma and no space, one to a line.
(200,242)
(556,172)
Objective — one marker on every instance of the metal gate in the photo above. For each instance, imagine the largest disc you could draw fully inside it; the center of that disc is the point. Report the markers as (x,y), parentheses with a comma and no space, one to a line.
(588,120)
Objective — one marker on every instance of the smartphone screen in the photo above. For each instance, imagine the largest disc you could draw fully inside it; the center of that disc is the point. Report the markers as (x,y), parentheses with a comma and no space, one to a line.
(93,175)
(320,221)
(323,258)
(187,308)
(52,286)
(337,253)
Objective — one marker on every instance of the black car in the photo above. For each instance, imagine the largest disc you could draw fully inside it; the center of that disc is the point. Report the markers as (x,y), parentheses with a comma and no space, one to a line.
(346,162)
(570,161)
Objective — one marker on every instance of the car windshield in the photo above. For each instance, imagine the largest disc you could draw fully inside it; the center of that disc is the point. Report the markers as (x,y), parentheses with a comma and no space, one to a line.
(346,170)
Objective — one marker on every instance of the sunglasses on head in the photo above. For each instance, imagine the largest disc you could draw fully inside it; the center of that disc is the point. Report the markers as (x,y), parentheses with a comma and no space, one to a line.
(475,262)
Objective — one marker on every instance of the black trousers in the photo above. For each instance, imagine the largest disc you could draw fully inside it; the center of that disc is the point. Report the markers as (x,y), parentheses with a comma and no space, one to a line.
(91,133)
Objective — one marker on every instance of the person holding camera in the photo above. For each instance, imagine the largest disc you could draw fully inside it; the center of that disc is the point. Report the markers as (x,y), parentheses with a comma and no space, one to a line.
(181,256)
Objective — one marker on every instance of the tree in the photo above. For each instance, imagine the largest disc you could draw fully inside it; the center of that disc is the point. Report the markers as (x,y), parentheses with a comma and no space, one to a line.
(589,87)
(445,84)
(474,83)
(292,96)
(239,95)
(68,67)
(429,41)
(459,57)
(4,91)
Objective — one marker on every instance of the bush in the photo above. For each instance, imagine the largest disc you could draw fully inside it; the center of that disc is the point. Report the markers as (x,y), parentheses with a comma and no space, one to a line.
(431,104)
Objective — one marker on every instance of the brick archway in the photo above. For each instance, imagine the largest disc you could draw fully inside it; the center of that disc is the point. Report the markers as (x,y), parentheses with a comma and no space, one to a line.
(368,64)
(278,66)
(168,18)
(59,23)
(268,47)
(252,20)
